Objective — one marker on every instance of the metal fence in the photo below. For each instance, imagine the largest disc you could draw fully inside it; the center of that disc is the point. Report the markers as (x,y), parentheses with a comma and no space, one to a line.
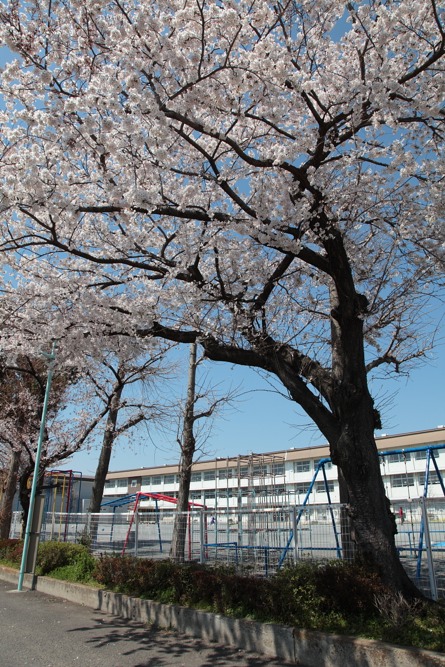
(421,544)
(258,541)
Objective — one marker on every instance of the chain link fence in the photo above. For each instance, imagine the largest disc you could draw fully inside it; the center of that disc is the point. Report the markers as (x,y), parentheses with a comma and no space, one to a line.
(258,541)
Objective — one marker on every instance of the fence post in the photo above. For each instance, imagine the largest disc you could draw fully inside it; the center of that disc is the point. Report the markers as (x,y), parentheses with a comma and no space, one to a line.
(429,552)
(201,537)
(53,526)
(136,531)
(293,516)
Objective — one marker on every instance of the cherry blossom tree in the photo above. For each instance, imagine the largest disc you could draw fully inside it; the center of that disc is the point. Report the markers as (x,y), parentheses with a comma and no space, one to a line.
(22,394)
(19,408)
(265,179)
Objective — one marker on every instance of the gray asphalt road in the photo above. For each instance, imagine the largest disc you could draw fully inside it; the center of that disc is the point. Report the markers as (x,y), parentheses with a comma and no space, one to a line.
(43,631)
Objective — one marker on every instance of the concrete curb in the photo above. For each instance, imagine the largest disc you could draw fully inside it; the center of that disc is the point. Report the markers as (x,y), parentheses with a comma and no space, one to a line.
(300,647)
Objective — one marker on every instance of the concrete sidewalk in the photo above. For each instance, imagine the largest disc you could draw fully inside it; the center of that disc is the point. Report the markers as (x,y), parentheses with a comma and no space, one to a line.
(39,630)
(298,647)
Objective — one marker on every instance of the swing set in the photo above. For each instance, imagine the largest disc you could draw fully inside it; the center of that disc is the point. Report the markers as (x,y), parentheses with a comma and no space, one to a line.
(430,457)
(133,500)
(341,533)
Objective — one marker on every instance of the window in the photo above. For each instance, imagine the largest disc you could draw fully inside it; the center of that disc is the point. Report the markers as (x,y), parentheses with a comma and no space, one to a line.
(146,481)
(169,479)
(209,475)
(122,483)
(398,481)
(419,456)
(259,471)
(156,480)
(196,477)
(278,469)
(320,487)
(134,483)
(226,473)
(110,483)
(244,472)
(301,488)
(398,458)
(433,478)
(209,495)
(302,466)
(195,495)
(328,465)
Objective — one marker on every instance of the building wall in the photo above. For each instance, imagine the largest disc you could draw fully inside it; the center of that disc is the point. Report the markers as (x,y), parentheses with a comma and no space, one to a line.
(284,476)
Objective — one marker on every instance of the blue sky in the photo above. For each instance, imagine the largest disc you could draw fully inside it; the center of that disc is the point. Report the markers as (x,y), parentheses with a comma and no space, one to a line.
(264,420)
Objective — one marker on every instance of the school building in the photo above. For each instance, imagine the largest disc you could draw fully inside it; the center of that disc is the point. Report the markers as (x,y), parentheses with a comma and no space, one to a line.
(412,464)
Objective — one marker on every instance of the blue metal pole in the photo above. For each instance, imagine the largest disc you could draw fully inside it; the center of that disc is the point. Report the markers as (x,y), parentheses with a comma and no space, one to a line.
(51,357)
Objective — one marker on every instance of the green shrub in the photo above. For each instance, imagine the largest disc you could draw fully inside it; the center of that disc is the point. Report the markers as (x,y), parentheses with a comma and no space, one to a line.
(84,566)
(53,555)
(332,595)
(75,573)
(329,597)
(416,623)
(118,573)
(11,551)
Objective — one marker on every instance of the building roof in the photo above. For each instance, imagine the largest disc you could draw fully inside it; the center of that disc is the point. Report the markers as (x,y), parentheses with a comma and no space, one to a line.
(384,442)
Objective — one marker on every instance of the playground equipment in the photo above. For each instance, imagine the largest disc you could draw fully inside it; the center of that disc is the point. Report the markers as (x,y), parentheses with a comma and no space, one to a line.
(63,490)
(62,495)
(260,529)
(430,458)
(262,495)
(320,467)
(134,500)
(262,472)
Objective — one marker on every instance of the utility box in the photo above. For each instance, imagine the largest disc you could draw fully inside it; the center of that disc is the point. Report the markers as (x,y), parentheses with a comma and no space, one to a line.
(34,535)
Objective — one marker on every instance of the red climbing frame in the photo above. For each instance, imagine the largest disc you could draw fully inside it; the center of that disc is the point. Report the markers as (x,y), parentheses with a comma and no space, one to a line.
(167,499)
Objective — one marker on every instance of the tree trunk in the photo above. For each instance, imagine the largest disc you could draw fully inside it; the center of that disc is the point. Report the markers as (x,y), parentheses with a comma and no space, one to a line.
(348,541)
(352,442)
(104,460)
(188,444)
(9,489)
(25,491)
(347,418)
(106,450)
(373,524)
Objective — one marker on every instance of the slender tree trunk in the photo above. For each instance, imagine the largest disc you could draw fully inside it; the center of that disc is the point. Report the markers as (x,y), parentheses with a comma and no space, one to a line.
(104,459)
(9,489)
(188,445)
(106,450)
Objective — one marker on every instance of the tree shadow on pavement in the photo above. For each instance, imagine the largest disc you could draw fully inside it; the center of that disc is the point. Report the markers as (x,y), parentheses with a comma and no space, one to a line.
(167,648)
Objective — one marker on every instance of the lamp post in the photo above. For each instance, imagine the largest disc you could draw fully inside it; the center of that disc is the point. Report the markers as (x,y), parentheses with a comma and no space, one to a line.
(32,498)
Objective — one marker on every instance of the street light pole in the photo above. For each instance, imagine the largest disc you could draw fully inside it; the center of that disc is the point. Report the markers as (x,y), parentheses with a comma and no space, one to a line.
(51,358)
